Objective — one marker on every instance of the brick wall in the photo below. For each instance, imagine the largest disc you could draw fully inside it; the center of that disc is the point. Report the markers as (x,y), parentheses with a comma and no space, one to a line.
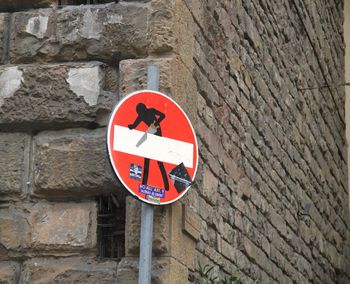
(272,190)
(270,197)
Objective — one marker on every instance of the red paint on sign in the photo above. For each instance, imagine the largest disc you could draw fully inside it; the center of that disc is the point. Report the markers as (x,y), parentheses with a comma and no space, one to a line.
(169,151)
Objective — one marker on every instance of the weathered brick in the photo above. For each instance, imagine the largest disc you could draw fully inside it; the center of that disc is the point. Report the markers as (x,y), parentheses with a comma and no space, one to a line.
(68,270)
(249,77)
(73,163)
(191,222)
(278,222)
(205,210)
(117,31)
(13,163)
(56,95)
(210,186)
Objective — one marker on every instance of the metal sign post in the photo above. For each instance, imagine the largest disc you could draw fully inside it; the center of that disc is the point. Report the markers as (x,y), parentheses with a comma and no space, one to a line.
(149,130)
(146,238)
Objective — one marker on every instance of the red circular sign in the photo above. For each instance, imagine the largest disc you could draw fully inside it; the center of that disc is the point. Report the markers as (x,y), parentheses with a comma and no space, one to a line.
(152,147)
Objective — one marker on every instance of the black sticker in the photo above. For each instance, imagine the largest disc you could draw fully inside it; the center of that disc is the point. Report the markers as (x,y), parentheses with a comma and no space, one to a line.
(180,177)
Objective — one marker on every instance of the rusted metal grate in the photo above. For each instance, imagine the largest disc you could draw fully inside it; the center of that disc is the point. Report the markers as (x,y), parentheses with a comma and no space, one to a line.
(84,2)
(111,228)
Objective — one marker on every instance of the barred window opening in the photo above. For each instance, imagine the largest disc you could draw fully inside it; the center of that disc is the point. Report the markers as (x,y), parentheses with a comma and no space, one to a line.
(111,228)
(84,2)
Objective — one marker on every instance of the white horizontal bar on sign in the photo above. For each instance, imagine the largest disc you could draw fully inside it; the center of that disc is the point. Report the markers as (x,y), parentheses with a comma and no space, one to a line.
(154,147)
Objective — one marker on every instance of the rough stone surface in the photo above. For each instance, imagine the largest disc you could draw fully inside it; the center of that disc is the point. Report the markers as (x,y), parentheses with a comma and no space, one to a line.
(161,239)
(182,245)
(85,82)
(37,26)
(175,235)
(48,226)
(9,272)
(62,226)
(272,191)
(4,19)
(10,81)
(164,270)
(271,197)
(72,163)
(14,229)
(175,80)
(128,270)
(99,32)
(52,96)
(171,30)
(191,223)
(13,152)
(68,270)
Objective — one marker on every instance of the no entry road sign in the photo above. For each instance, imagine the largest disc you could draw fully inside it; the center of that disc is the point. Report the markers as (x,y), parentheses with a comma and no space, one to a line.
(152,147)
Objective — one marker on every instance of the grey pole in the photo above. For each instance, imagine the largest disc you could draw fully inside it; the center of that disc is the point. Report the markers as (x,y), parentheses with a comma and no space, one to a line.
(146,238)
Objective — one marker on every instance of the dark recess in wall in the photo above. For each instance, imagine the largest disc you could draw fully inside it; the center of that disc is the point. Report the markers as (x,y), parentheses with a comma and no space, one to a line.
(84,2)
(111,228)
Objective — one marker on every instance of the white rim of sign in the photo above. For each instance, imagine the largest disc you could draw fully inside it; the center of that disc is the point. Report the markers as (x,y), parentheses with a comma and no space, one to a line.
(109,147)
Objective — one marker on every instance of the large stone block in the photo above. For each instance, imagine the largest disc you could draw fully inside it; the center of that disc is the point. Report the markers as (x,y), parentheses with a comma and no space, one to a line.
(16,5)
(128,270)
(68,270)
(63,226)
(161,20)
(9,272)
(13,163)
(72,163)
(133,74)
(161,233)
(14,229)
(182,245)
(109,33)
(165,270)
(171,28)
(175,233)
(48,227)
(53,96)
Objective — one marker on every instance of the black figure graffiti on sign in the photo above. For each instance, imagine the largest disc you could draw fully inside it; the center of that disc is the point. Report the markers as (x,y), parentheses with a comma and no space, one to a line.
(152,118)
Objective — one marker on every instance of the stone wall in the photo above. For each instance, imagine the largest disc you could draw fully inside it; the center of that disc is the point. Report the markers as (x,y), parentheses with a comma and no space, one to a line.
(272,187)
(59,80)
(270,197)
(62,71)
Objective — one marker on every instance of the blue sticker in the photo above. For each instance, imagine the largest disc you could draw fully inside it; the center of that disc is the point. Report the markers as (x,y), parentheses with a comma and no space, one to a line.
(135,172)
(152,191)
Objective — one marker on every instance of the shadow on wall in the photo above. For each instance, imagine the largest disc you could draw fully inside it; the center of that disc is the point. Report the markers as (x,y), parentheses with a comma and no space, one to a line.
(17,5)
